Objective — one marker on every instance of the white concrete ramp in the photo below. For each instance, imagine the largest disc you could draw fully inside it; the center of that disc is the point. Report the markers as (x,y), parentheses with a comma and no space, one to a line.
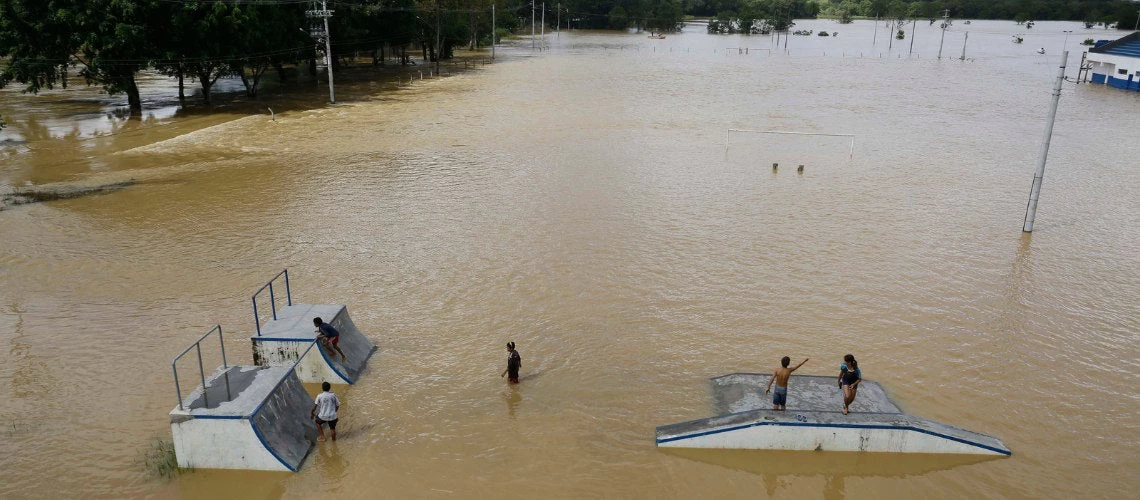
(245,417)
(283,340)
(813,421)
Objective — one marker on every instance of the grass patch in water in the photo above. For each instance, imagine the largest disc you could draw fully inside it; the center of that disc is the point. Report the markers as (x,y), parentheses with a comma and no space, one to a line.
(159,459)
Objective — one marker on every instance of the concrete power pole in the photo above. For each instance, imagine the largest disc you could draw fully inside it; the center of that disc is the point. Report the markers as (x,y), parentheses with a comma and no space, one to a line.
(543,24)
(876,36)
(531,24)
(945,24)
(963,58)
(913,23)
(493,34)
(558,21)
(438,46)
(324,13)
(1035,190)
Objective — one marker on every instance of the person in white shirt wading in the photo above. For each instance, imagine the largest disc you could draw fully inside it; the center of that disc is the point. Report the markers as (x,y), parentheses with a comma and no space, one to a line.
(324,411)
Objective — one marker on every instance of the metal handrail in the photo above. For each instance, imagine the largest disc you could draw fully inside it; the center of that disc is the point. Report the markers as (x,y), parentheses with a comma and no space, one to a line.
(201,371)
(272,298)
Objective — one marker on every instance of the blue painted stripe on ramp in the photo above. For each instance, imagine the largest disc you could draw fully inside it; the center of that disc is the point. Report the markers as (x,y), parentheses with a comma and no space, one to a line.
(331,365)
(841,426)
(218,417)
(267,447)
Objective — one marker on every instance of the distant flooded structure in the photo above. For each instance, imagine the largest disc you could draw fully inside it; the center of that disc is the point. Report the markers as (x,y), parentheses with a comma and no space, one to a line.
(1117,63)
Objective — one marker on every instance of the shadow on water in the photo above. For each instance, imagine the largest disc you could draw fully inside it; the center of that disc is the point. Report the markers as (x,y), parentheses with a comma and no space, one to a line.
(835,467)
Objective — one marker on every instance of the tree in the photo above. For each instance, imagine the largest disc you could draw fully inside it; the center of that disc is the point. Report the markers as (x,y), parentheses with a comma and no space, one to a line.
(38,37)
(1126,16)
(267,35)
(666,16)
(203,41)
(619,18)
(114,43)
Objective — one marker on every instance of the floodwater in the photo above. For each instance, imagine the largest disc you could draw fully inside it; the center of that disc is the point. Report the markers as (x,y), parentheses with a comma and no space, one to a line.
(581,202)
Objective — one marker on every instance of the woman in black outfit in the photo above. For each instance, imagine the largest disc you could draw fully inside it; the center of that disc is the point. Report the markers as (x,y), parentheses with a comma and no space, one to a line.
(849,378)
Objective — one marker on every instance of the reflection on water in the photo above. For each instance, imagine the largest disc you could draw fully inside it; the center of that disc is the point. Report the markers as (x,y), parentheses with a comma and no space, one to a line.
(580,202)
(774,467)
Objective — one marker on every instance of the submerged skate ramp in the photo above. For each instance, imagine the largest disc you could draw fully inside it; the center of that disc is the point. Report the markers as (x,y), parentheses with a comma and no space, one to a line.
(260,421)
(283,340)
(813,421)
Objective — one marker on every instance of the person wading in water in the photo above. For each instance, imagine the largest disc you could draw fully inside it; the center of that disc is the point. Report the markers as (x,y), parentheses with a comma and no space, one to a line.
(514,363)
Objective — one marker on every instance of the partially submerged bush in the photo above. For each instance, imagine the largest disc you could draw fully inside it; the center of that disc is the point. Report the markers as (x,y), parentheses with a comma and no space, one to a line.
(160,460)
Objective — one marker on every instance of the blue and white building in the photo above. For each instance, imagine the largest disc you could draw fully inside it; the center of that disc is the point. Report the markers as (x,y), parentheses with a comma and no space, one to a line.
(1117,63)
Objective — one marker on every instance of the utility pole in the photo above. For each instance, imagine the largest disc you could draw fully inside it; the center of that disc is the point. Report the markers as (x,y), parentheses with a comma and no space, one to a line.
(1035,190)
(543,24)
(324,13)
(438,47)
(876,38)
(558,21)
(963,58)
(531,24)
(913,23)
(493,34)
(945,24)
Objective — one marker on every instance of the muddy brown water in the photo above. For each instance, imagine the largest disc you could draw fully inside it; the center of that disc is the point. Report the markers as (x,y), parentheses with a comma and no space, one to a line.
(580,202)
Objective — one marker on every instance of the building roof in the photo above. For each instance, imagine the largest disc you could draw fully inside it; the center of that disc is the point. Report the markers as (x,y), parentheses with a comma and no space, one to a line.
(1129,46)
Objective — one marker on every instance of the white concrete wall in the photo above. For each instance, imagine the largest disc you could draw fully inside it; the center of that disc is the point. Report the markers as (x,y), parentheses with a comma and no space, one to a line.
(221,444)
(1130,64)
(807,438)
(312,369)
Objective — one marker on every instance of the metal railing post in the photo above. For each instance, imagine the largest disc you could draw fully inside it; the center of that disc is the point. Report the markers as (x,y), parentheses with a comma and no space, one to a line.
(256,320)
(177,388)
(202,374)
(288,293)
(272,301)
(222,343)
(225,366)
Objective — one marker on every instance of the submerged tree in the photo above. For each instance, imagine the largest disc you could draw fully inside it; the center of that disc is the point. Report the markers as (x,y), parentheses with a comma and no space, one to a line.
(38,37)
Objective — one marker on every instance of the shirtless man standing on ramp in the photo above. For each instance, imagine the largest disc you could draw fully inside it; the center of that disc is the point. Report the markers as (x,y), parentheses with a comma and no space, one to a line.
(780,377)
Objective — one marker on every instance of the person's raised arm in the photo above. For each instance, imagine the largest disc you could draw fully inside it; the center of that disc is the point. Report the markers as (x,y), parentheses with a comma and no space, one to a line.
(799,365)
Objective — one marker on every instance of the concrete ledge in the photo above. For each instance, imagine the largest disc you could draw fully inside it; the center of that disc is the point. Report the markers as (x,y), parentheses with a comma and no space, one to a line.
(260,422)
(875,424)
(283,340)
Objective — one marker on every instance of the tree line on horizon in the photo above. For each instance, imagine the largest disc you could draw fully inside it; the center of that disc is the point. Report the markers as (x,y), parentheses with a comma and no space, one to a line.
(761,16)
(108,42)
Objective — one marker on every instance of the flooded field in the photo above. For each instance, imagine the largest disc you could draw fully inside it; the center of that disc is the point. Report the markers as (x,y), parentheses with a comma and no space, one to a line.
(589,203)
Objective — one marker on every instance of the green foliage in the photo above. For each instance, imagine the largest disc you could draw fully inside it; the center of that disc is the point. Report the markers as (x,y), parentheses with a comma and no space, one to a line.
(39,37)
(160,460)
(1125,16)
(618,18)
